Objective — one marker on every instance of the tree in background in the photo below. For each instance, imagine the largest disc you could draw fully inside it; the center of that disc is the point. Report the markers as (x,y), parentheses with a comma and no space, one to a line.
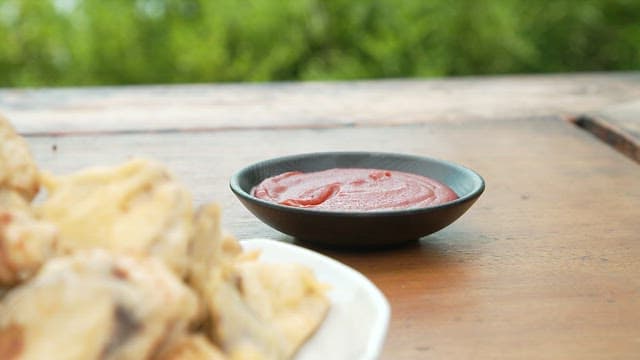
(96,42)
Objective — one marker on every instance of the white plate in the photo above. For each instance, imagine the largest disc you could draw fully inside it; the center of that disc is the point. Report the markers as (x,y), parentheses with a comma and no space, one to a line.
(356,325)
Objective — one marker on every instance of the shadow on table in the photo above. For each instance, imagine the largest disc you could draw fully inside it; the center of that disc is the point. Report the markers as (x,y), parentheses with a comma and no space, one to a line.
(430,255)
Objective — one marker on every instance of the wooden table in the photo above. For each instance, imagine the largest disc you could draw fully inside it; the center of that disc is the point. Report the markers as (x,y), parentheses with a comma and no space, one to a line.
(546,265)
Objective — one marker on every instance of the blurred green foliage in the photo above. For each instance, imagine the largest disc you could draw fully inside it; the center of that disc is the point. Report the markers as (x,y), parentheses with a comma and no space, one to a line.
(87,42)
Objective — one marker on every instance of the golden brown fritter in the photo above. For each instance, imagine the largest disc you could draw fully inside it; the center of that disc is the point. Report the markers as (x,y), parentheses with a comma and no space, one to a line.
(263,311)
(255,310)
(234,326)
(210,246)
(134,208)
(192,347)
(95,305)
(286,296)
(25,242)
(96,271)
(18,172)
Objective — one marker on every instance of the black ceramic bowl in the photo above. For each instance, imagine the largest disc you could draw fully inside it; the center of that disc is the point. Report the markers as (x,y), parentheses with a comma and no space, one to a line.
(354,229)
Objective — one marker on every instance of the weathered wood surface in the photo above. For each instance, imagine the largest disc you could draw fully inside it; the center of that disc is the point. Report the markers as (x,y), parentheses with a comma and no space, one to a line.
(318,105)
(618,125)
(546,265)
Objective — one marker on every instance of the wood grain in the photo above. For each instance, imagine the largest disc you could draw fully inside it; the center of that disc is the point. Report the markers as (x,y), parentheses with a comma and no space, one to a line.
(546,265)
(311,105)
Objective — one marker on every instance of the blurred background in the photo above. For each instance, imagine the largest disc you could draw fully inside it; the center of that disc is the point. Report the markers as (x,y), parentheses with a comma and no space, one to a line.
(107,42)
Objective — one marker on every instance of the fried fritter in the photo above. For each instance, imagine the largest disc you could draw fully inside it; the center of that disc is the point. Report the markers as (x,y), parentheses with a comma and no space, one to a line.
(25,242)
(97,270)
(95,304)
(192,347)
(286,296)
(234,326)
(18,172)
(210,247)
(263,311)
(135,208)
(256,310)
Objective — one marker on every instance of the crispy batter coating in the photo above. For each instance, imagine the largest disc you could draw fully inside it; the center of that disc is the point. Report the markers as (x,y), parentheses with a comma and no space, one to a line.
(263,311)
(192,347)
(18,172)
(234,326)
(25,242)
(255,310)
(287,296)
(94,305)
(135,208)
(210,246)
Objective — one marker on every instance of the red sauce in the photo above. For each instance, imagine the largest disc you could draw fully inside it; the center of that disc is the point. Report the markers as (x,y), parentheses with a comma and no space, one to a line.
(354,190)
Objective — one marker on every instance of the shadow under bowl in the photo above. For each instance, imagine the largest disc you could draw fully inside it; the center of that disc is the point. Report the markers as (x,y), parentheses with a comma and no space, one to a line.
(359,229)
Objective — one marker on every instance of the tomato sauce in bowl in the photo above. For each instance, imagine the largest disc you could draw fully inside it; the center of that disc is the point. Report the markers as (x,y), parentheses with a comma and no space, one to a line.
(343,199)
(353,189)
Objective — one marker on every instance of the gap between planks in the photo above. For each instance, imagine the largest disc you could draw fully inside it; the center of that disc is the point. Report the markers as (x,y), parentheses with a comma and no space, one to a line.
(610,134)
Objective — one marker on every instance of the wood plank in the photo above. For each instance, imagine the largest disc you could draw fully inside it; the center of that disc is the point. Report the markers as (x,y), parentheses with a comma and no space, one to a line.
(545,265)
(314,104)
(617,125)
